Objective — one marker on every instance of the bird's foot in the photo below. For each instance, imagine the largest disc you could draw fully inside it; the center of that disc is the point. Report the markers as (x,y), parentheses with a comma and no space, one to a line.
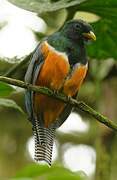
(69,98)
(56,92)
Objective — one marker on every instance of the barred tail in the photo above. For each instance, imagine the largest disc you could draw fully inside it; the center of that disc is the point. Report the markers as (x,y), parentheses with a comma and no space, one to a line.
(44,138)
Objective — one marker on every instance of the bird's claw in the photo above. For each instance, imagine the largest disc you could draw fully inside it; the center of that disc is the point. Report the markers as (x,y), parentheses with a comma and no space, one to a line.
(69,98)
(55,92)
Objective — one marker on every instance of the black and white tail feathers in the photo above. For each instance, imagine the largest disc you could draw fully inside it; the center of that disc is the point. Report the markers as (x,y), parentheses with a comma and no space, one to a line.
(44,138)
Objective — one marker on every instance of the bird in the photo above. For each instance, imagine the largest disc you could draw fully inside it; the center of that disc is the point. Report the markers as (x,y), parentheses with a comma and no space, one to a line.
(60,63)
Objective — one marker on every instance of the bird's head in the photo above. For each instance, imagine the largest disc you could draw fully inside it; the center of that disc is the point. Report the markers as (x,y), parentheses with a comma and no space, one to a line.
(78,30)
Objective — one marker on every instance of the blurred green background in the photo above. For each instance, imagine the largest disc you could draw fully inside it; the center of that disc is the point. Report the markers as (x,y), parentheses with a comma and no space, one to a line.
(84,148)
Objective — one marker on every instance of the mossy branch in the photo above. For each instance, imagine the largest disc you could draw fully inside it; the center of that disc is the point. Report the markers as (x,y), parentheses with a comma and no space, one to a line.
(79,104)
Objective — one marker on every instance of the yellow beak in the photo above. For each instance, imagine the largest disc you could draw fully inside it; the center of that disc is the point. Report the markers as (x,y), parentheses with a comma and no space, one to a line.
(90,35)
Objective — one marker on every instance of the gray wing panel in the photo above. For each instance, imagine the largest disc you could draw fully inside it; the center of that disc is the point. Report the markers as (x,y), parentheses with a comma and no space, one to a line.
(36,57)
(30,77)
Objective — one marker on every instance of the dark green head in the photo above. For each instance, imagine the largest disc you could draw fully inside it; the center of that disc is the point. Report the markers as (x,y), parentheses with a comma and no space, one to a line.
(71,39)
(78,30)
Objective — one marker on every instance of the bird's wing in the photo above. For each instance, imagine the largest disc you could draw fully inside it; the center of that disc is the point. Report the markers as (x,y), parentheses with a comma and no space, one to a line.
(34,67)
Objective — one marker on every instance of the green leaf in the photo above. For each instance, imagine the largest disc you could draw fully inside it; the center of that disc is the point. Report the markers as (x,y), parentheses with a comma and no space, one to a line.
(32,171)
(10,104)
(105,45)
(5,89)
(100,69)
(4,65)
(42,6)
(105,29)
(42,171)
(59,15)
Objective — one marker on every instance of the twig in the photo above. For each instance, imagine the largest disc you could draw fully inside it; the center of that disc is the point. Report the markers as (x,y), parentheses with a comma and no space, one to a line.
(81,105)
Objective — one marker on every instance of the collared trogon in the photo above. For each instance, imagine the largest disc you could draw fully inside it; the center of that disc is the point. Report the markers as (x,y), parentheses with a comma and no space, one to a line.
(59,63)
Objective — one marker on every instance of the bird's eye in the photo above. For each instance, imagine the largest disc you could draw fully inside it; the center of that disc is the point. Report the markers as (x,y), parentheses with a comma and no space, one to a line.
(77,26)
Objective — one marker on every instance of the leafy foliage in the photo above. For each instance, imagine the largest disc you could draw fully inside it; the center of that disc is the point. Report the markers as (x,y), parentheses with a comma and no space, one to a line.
(8,103)
(59,15)
(42,171)
(5,89)
(42,6)
(105,28)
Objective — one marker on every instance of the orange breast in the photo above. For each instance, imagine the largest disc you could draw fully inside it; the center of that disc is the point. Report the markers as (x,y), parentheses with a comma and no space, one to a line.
(52,75)
(73,83)
(54,70)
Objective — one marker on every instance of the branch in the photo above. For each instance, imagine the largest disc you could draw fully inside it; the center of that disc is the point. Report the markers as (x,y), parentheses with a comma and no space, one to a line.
(81,105)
